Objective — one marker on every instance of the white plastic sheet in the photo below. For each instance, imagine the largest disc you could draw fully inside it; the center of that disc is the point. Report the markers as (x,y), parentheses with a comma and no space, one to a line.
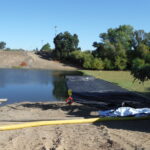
(125,111)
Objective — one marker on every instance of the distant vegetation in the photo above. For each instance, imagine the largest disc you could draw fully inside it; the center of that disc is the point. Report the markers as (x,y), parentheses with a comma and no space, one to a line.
(2,45)
(121,48)
(46,47)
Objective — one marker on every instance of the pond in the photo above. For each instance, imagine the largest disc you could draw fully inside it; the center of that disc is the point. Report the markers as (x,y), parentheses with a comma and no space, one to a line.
(19,85)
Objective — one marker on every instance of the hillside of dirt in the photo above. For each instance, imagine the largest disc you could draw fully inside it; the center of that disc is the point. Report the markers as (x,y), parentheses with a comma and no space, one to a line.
(28,59)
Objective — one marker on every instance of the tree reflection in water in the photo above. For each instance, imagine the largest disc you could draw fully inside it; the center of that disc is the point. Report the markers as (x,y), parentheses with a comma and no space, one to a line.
(59,82)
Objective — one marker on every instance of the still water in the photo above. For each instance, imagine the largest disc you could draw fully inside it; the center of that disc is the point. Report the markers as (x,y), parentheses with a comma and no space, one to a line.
(33,85)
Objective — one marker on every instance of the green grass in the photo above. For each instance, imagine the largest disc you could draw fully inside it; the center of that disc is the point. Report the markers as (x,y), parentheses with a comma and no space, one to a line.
(123,79)
(16,67)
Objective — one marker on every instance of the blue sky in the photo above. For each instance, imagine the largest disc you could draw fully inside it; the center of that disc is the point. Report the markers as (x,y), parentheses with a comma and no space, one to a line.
(28,24)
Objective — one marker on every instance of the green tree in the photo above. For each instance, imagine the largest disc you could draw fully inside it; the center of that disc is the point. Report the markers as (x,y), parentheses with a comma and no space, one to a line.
(2,45)
(139,36)
(97,64)
(113,48)
(140,47)
(121,34)
(76,57)
(87,60)
(120,63)
(108,64)
(141,51)
(46,47)
(137,62)
(147,58)
(141,72)
(65,43)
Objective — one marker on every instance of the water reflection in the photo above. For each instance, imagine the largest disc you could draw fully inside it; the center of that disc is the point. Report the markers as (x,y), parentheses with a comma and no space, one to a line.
(59,82)
(24,76)
(32,85)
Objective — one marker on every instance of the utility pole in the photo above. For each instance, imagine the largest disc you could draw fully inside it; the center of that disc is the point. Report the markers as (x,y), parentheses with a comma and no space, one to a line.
(55,27)
(42,42)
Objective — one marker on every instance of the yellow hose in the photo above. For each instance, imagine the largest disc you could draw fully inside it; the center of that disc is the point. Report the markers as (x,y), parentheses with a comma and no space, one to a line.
(63,122)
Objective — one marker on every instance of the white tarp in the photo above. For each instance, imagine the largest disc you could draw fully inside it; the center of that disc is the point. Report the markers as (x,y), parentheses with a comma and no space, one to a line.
(125,111)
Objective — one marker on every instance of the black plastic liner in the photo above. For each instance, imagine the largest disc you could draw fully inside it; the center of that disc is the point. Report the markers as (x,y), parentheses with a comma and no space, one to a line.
(87,89)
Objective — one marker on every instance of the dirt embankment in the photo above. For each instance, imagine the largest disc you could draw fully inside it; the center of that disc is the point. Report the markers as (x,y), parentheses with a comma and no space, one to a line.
(26,59)
(133,135)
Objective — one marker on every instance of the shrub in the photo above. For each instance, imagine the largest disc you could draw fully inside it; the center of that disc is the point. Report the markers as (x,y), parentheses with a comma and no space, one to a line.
(108,65)
(120,63)
(137,62)
(140,70)
(142,73)
(87,60)
(46,47)
(97,64)
(147,58)
(76,57)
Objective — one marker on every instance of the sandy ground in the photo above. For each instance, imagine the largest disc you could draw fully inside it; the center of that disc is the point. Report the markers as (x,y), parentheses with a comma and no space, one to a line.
(13,59)
(116,135)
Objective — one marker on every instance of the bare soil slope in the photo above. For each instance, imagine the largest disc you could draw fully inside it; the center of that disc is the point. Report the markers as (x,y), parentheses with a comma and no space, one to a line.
(11,59)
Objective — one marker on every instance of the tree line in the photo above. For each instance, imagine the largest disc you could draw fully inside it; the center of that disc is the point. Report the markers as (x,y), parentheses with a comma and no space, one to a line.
(121,48)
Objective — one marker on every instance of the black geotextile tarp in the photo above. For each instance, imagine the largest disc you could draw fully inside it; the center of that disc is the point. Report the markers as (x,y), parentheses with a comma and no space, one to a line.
(87,89)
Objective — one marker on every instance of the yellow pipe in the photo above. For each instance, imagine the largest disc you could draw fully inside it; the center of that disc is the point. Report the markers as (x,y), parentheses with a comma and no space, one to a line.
(62,122)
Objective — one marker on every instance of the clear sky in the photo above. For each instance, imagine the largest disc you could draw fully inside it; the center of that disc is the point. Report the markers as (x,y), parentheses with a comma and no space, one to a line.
(28,24)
